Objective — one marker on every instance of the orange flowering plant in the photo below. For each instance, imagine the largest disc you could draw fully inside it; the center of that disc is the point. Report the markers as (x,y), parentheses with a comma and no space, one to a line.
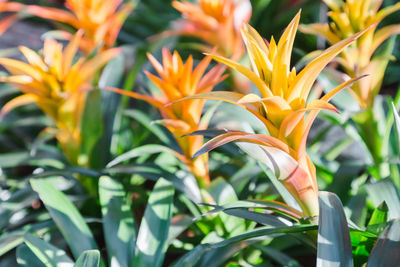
(347,18)
(177,80)
(58,85)
(101,20)
(7,21)
(283,108)
(216,22)
(360,58)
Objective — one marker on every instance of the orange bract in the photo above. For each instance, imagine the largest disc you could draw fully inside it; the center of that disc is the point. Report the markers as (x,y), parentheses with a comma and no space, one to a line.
(283,105)
(349,17)
(177,80)
(101,20)
(7,21)
(216,22)
(57,85)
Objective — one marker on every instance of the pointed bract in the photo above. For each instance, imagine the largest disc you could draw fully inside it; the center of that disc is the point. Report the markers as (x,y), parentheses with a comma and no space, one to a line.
(349,17)
(57,85)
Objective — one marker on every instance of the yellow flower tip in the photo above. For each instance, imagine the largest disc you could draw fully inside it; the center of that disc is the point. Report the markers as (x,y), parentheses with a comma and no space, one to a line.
(21,47)
(149,55)
(332,108)
(244,28)
(297,17)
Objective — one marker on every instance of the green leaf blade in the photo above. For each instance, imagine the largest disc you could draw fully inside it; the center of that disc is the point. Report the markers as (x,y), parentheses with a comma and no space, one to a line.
(334,245)
(89,258)
(153,233)
(386,249)
(118,222)
(68,219)
(48,254)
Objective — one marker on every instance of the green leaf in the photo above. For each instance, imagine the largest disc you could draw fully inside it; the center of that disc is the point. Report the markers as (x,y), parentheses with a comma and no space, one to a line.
(68,219)
(186,184)
(89,258)
(147,122)
(178,225)
(223,193)
(343,178)
(261,218)
(334,246)
(192,257)
(386,250)
(378,219)
(26,258)
(112,72)
(331,78)
(281,258)
(11,239)
(385,190)
(8,241)
(48,254)
(356,209)
(92,123)
(139,151)
(239,208)
(397,126)
(139,58)
(8,160)
(118,222)
(151,243)
(110,76)
(368,129)
(19,199)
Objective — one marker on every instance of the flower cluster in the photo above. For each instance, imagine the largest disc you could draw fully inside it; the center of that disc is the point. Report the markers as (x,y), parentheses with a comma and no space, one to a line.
(57,84)
(216,22)
(100,20)
(177,80)
(347,18)
(282,107)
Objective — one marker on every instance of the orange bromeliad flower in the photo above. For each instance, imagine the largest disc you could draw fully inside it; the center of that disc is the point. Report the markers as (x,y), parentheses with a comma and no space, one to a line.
(57,85)
(349,17)
(282,107)
(101,20)
(178,80)
(216,22)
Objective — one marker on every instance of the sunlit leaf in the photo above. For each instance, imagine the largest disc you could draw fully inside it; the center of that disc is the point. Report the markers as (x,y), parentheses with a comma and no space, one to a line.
(48,254)
(68,219)
(334,246)
(118,223)
(152,237)
(385,252)
(89,258)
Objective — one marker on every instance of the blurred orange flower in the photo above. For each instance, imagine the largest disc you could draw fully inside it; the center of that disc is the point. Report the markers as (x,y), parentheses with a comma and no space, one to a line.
(216,22)
(349,17)
(101,20)
(283,107)
(177,80)
(7,21)
(57,85)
